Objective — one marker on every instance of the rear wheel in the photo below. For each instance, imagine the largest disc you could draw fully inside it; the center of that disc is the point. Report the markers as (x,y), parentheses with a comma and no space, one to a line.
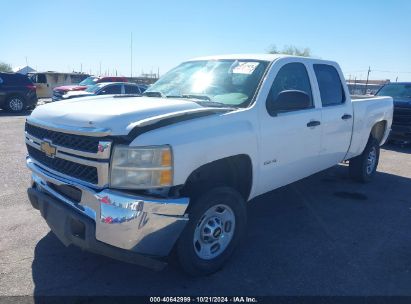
(363,167)
(217,222)
(15,104)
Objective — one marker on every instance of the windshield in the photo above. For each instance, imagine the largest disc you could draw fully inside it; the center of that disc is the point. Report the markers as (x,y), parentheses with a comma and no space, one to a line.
(94,88)
(89,81)
(396,90)
(225,82)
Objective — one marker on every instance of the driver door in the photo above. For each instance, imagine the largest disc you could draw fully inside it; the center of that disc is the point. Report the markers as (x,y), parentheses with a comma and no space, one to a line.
(291,140)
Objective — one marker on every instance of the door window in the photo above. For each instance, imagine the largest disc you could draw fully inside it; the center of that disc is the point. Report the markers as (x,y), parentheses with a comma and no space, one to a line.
(292,76)
(113,89)
(41,78)
(329,83)
(130,89)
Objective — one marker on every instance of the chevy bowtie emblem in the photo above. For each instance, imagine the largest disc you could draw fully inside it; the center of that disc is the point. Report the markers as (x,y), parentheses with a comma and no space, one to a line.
(48,149)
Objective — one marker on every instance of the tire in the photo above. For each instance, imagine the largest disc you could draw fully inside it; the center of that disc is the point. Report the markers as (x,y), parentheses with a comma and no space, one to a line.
(15,104)
(363,167)
(217,223)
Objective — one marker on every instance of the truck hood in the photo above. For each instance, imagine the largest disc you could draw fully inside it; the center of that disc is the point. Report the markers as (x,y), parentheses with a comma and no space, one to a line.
(118,114)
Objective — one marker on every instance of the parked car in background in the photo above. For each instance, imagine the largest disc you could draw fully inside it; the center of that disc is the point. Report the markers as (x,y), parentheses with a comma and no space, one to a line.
(106,88)
(58,92)
(17,92)
(45,82)
(362,88)
(401,93)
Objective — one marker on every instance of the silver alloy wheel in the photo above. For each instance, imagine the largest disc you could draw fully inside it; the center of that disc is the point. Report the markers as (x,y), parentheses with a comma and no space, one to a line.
(371,160)
(16,104)
(214,232)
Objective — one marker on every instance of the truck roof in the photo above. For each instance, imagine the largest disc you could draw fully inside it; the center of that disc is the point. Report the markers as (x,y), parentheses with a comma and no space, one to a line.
(265,57)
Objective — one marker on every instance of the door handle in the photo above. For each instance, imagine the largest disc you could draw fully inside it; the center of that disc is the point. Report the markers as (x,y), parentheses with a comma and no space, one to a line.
(346,116)
(313,123)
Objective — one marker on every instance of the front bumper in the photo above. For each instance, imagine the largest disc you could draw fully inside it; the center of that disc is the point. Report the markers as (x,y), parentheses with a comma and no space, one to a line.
(137,224)
(56,98)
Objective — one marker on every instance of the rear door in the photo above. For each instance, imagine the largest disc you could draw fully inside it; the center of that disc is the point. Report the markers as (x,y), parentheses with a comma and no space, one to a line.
(3,89)
(42,87)
(337,114)
(290,141)
(132,89)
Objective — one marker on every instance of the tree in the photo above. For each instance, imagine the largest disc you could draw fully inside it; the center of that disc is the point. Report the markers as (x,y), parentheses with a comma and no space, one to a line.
(5,67)
(290,50)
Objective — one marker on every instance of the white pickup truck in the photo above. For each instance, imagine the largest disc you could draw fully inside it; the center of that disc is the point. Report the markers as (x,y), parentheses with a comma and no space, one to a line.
(134,177)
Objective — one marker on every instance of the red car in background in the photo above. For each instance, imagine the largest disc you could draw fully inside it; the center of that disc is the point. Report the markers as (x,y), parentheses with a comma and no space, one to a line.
(58,92)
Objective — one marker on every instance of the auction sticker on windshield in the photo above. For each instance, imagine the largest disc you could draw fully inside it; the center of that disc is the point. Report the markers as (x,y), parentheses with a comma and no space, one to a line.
(245,67)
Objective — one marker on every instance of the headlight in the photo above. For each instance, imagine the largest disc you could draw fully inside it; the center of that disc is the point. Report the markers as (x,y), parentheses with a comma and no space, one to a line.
(141,167)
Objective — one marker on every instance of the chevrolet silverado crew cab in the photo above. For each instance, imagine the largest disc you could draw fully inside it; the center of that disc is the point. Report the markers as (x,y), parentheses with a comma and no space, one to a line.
(134,177)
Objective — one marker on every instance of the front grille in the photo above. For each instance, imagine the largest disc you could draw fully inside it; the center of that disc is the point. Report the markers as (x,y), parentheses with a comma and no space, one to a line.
(79,171)
(75,142)
(402,116)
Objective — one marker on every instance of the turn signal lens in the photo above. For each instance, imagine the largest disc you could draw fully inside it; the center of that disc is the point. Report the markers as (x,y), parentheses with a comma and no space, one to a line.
(166,158)
(166,178)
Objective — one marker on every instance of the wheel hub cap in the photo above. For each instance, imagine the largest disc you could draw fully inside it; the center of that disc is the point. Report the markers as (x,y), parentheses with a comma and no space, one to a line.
(16,104)
(371,160)
(214,232)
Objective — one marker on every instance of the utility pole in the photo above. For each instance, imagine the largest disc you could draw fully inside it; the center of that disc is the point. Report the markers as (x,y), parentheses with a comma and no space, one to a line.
(355,84)
(366,83)
(131,55)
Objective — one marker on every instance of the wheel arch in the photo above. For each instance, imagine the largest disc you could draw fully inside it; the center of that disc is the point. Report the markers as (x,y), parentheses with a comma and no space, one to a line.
(379,130)
(15,94)
(234,171)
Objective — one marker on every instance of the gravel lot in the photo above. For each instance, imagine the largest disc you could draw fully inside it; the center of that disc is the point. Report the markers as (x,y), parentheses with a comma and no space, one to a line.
(324,235)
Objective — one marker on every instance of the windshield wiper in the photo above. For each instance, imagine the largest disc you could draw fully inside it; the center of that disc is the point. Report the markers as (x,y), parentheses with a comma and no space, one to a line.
(154,94)
(214,104)
(202,100)
(195,96)
(191,96)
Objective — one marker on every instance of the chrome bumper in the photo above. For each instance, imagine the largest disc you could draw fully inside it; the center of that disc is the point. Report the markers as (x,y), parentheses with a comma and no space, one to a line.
(140,224)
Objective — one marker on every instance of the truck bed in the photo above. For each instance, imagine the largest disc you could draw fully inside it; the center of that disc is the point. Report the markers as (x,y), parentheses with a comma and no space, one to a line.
(369,110)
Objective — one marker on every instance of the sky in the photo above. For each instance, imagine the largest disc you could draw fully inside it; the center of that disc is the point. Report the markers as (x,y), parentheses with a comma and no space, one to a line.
(81,35)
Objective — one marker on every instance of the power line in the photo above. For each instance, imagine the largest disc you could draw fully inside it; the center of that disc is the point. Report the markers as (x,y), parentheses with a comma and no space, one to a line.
(374,70)
(401,72)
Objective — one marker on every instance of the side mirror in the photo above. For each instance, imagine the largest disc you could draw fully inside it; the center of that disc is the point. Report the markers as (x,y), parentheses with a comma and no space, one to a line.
(289,100)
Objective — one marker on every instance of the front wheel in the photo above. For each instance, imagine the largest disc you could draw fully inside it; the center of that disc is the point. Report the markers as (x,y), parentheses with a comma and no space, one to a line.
(217,223)
(363,167)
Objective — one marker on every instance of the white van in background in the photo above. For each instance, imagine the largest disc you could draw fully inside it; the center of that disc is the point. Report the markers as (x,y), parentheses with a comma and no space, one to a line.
(45,82)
